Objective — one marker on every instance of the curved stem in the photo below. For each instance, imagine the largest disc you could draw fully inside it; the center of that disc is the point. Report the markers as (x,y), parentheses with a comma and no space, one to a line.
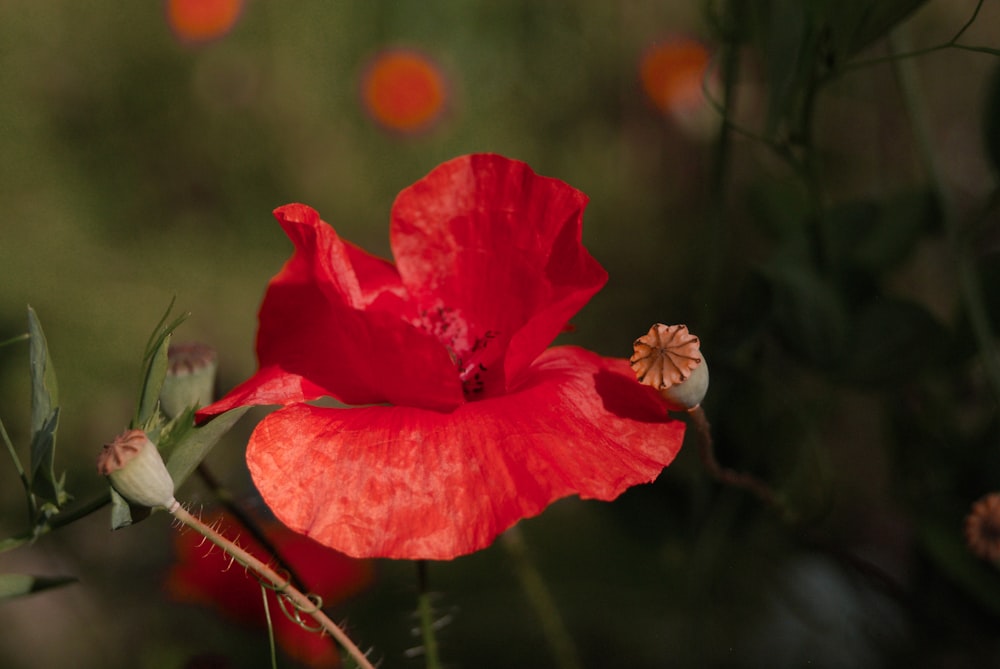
(228,502)
(553,626)
(276,581)
(731,477)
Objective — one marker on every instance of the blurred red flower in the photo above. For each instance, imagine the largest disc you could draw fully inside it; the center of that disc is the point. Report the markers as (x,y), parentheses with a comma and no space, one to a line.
(672,72)
(475,425)
(202,20)
(203,574)
(404,90)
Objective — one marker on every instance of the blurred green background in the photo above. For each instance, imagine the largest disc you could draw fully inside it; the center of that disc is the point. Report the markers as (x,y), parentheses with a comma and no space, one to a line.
(832,260)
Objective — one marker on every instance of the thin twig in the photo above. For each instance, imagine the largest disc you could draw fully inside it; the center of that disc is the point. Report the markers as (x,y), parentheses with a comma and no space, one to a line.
(905,55)
(731,477)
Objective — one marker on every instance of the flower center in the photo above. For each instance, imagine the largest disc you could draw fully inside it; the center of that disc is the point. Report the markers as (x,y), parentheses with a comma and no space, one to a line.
(470,352)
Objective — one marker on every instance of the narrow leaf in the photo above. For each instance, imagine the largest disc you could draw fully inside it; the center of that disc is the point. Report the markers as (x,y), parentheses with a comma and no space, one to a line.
(15,339)
(154,369)
(124,514)
(185,451)
(18,585)
(13,456)
(10,543)
(44,418)
(149,394)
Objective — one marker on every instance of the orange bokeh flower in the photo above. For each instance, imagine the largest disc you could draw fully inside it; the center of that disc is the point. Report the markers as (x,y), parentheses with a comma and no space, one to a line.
(672,72)
(202,20)
(404,90)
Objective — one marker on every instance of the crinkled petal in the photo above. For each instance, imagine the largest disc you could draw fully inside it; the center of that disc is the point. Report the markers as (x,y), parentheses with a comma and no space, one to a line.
(486,242)
(332,323)
(403,482)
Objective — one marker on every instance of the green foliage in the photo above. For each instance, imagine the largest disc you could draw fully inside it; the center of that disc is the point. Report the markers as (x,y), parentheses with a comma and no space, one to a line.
(182,444)
(802,43)
(44,489)
(48,488)
(154,370)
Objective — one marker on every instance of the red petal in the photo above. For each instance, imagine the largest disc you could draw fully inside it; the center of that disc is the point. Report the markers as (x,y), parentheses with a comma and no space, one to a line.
(404,482)
(331,324)
(501,246)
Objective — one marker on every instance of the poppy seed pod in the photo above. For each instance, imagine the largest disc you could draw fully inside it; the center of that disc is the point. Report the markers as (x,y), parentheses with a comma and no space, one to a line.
(136,469)
(668,358)
(982,528)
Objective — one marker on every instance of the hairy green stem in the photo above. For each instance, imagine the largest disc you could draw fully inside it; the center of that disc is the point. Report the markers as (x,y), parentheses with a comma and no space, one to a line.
(229,503)
(303,604)
(425,611)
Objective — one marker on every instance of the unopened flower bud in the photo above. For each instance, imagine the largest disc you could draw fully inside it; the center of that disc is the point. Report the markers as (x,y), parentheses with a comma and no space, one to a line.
(190,380)
(669,359)
(136,469)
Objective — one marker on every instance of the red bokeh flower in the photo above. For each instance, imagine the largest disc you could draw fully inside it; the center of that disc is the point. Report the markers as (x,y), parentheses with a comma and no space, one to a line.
(204,574)
(403,90)
(476,424)
(202,20)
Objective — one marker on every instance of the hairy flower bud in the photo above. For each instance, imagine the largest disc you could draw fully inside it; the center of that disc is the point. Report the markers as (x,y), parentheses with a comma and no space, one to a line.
(136,469)
(190,380)
(669,359)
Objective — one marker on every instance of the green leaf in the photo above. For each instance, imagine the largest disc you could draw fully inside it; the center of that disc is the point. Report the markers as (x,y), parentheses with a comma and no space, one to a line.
(44,419)
(124,514)
(18,585)
(901,222)
(15,339)
(874,236)
(857,23)
(891,340)
(807,311)
(154,370)
(13,456)
(11,543)
(786,39)
(186,448)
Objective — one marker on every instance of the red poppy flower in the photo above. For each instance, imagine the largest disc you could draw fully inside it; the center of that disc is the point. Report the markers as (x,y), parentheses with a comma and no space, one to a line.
(203,574)
(477,425)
